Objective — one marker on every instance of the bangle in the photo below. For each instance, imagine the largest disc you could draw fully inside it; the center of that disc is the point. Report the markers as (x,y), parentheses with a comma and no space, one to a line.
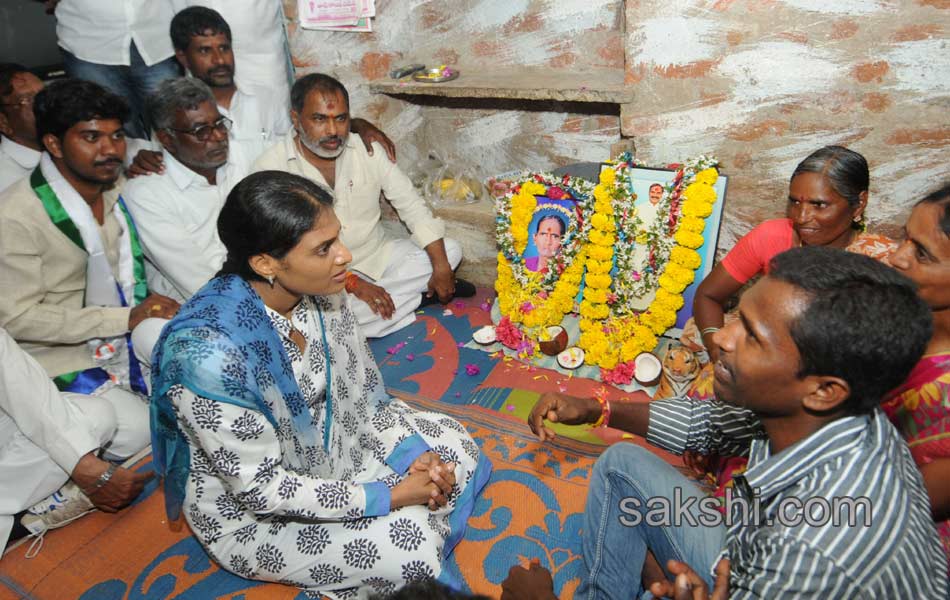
(104,478)
(601,396)
(351,281)
(709,330)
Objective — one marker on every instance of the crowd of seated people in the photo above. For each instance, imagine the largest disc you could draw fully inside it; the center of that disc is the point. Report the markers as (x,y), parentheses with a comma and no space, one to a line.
(193,258)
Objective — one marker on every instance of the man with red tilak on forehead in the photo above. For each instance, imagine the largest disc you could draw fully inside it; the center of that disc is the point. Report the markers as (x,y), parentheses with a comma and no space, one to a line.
(389,277)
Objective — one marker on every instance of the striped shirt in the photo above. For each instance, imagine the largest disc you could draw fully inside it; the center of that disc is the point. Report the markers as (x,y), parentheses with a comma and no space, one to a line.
(884,544)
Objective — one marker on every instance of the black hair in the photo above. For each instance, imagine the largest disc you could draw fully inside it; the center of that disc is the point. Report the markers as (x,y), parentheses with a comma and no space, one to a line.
(845,169)
(315,81)
(428,589)
(7,72)
(940,196)
(267,213)
(196,20)
(864,322)
(65,102)
(548,218)
(653,185)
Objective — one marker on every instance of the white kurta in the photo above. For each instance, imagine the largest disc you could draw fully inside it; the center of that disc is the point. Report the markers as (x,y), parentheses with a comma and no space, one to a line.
(261,520)
(176,214)
(16,162)
(102,32)
(260,119)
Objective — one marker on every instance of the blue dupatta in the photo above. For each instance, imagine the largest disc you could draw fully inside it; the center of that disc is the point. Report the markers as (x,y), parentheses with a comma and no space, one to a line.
(221,346)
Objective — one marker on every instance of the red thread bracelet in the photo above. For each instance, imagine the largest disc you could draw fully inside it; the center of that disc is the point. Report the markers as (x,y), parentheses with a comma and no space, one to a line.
(601,396)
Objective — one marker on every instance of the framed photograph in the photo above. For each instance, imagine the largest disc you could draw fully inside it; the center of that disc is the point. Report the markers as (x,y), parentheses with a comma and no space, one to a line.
(650,185)
(549,226)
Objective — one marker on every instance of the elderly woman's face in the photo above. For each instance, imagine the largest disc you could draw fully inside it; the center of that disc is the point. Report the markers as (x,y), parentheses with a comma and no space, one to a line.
(548,238)
(820,215)
(924,255)
(316,266)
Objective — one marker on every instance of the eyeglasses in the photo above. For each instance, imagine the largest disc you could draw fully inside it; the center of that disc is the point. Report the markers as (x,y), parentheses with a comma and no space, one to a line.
(203,133)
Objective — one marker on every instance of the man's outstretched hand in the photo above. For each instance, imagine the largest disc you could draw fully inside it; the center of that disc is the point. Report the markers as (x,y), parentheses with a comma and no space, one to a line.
(122,488)
(146,162)
(561,408)
(369,133)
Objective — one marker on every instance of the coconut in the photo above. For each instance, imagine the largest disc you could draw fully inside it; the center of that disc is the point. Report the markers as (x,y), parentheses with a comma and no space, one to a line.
(485,335)
(571,358)
(556,342)
(647,369)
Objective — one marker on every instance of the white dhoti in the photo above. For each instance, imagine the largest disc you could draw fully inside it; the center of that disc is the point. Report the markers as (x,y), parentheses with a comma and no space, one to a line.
(116,421)
(405,279)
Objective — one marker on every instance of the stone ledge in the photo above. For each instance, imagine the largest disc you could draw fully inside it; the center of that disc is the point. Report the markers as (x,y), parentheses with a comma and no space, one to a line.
(473,226)
(603,85)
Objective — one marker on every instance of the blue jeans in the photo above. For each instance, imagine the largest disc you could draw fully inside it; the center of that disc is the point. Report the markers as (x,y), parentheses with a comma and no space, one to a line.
(625,477)
(134,83)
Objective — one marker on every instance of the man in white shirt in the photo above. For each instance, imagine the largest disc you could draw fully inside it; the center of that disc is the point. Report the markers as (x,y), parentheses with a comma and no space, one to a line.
(393,276)
(71,267)
(122,46)
(48,438)
(177,212)
(260,42)
(19,148)
(202,41)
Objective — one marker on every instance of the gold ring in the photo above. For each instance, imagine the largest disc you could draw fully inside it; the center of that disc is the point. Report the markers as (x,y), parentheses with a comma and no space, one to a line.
(155,307)
(378,300)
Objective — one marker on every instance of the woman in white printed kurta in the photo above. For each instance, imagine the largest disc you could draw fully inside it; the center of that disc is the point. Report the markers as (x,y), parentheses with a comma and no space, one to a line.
(266,503)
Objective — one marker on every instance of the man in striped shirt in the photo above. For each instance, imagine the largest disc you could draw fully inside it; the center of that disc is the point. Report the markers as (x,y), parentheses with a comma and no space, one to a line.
(831,505)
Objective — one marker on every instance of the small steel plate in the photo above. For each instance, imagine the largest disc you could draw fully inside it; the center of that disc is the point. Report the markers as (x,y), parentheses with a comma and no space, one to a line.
(435,75)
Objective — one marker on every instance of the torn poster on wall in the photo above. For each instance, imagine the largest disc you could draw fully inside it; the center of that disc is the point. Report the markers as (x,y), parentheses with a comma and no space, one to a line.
(337,15)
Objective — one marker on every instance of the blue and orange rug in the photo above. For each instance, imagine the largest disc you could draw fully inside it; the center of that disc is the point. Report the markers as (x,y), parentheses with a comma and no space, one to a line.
(531,508)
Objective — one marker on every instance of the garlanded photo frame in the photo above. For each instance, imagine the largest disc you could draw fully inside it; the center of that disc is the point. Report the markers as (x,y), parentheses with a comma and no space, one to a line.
(649,185)
(616,277)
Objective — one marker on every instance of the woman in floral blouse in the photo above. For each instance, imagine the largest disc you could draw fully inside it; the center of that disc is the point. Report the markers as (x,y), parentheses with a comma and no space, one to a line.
(920,408)
(271,424)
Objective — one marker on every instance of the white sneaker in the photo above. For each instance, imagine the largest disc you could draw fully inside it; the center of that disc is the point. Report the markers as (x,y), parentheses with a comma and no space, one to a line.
(63,507)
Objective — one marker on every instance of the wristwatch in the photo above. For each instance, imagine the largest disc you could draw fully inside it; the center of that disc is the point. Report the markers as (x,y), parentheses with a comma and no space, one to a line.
(105,477)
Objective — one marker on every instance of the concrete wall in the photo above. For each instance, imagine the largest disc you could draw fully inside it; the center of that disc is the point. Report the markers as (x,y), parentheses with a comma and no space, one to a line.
(758,84)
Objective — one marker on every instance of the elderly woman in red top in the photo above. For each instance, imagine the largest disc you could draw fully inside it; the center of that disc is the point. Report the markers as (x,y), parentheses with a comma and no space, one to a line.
(827,197)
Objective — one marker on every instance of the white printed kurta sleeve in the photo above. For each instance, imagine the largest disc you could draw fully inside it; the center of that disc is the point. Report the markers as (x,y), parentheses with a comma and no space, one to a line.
(243,450)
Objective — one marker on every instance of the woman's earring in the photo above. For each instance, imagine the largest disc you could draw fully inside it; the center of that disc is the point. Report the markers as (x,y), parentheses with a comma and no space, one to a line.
(270,280)
(859,223)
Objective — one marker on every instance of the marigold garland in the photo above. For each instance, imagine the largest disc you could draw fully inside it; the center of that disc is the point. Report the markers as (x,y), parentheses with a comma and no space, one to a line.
(605,230)
(537,300)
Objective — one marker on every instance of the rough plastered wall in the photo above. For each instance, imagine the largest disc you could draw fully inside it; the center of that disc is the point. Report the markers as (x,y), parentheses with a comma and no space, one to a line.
(757,83)
(563,35)
(760,84)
